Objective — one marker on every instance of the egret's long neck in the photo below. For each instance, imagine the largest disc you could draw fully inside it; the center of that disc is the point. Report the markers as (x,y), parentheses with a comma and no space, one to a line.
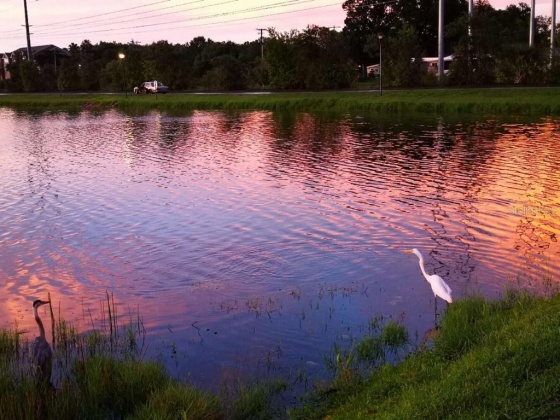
(39,322)
(422,265)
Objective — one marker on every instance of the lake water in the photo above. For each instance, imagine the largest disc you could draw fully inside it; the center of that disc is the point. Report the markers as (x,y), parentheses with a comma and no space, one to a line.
(251,242)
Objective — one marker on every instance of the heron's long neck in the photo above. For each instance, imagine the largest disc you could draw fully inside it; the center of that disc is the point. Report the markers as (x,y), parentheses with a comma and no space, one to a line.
(422,265)
(39,323)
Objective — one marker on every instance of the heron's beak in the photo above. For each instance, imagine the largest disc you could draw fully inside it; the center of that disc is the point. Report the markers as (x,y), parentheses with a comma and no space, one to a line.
(408,251)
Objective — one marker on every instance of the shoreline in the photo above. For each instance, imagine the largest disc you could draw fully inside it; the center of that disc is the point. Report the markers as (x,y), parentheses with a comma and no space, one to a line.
(487,359)
(499,101)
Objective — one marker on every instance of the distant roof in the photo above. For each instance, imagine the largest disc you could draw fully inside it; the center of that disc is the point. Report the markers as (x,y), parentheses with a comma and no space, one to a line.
(435,59)
(40,48)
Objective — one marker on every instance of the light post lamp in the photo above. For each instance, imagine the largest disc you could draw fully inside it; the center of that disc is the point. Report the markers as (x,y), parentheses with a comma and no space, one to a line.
(121,57)
(380,36)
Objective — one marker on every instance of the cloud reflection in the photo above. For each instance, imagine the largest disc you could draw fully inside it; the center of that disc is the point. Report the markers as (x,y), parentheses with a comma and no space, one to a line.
(201,218)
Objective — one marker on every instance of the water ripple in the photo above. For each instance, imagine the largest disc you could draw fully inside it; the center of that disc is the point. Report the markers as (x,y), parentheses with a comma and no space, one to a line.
(274,225)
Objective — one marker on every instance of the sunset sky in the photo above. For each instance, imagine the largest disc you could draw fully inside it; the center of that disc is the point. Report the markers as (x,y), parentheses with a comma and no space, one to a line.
(178,21)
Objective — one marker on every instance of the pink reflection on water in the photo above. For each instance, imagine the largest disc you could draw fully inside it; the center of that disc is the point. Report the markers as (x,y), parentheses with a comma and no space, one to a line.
(211,224)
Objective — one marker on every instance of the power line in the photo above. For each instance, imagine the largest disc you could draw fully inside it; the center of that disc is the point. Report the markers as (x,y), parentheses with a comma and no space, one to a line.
(225,22)
(139,28)
(69,31)
(107,13)
(97,15)
(259,17)
(135,14)
(57,30)
(262,44)
(202,17)
(153,15)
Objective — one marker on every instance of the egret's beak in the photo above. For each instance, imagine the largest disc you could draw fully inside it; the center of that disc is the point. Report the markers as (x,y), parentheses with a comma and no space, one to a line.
(408,251)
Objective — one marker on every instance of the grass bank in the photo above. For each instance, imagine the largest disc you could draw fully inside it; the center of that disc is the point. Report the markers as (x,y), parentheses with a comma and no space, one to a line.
(489,360)
(494,359)
(101,375)
(527,101)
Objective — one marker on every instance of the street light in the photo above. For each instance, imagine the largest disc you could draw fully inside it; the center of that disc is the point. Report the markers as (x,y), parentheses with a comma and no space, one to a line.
(121,57)
(380,36)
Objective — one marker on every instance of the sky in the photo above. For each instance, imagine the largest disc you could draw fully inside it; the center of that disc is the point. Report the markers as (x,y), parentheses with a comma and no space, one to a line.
(61,22)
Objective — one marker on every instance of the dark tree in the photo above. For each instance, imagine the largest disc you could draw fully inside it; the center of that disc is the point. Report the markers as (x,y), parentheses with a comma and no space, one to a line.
(69,76)
(367,18)
(227,73)
(404,58)
(498,51)
(316,58)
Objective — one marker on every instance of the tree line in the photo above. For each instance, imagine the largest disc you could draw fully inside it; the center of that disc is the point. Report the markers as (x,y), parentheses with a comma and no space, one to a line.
(496,52)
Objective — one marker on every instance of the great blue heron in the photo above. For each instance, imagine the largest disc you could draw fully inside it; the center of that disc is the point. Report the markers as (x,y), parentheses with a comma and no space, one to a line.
(41,351)
(439,287)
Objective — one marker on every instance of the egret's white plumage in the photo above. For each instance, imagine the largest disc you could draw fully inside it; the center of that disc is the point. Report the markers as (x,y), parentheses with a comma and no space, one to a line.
(439,287)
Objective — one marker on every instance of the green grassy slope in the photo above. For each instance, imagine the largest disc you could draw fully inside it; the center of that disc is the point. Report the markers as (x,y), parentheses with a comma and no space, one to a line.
(490,360)
(544,101)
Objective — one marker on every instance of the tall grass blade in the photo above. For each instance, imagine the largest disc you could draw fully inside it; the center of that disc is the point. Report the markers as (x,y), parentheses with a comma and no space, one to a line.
(52,322)
(110,319)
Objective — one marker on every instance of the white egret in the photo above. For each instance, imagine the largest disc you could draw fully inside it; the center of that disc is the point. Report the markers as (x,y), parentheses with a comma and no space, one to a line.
(439,287)
(41,352)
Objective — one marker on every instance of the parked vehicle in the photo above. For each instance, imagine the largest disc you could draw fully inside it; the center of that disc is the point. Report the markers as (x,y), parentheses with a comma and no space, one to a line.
(151,87)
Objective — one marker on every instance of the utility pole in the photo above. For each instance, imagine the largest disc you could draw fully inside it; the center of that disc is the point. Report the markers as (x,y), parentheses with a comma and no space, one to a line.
(380,36)
(471,12)
(440,40)
(532,25)
(29,53)
(262,45)
(553,33)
